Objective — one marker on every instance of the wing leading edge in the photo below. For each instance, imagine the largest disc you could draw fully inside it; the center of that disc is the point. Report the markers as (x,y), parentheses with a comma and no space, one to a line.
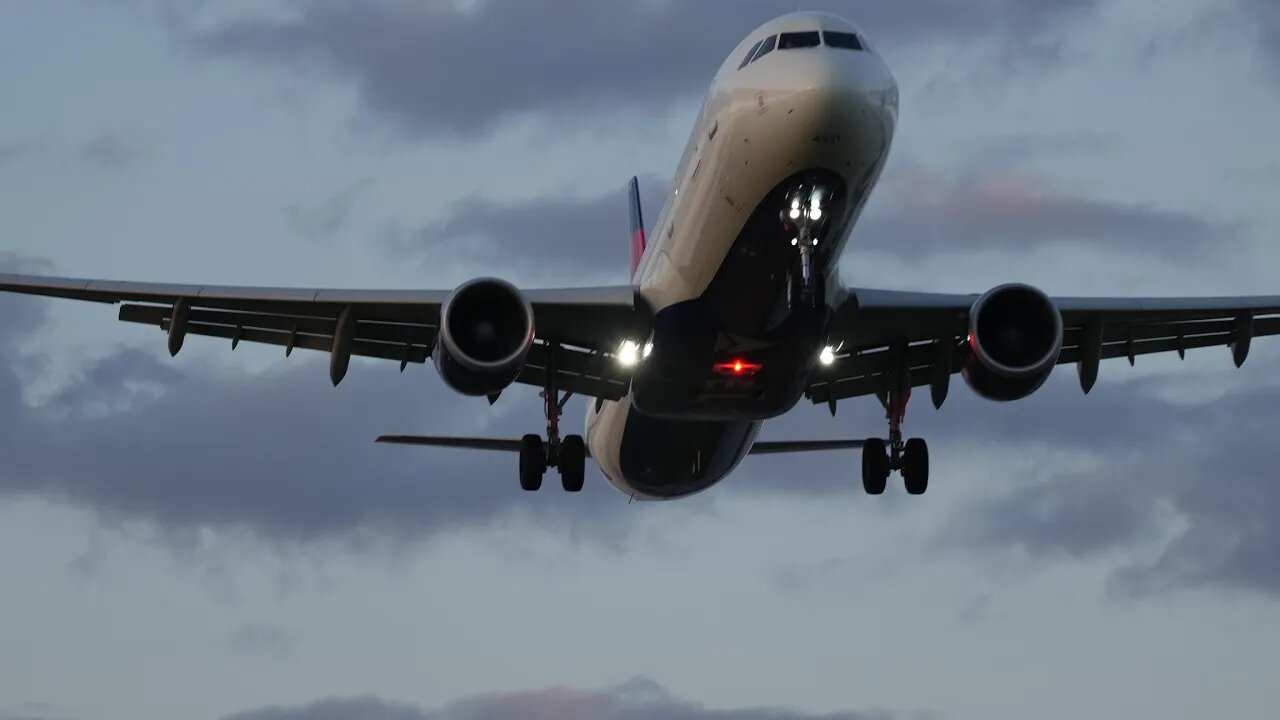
(503,445)
(579,326)
(926,333)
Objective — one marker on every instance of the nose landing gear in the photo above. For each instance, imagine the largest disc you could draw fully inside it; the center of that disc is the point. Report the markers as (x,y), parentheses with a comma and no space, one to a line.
(802,220)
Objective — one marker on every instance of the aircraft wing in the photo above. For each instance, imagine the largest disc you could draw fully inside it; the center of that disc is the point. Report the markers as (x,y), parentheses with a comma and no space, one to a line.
(582,327)
(871,327)
(766,447)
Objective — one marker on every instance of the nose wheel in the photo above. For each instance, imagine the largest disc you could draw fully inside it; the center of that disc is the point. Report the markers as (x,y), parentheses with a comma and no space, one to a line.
(881,457)
(568,454)
(802,222)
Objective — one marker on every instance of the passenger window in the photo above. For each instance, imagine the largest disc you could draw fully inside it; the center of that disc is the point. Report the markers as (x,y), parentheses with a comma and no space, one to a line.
(750,53)
(787,41)
(766,47)
(846,40)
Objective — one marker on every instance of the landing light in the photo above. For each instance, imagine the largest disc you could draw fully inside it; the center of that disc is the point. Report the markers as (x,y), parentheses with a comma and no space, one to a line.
(628,353)
(648,348)
(815,213)
(827,356)
(795,212)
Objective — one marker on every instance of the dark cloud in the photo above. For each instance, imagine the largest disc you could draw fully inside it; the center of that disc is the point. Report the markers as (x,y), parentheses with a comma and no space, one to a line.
(109,149)
(431,67)
(921,210)
(639,699)
(31,711)
(12,151)
(327,219)
(1206,466)
(579,235)
(268,640)
(279,454)
(1263,18)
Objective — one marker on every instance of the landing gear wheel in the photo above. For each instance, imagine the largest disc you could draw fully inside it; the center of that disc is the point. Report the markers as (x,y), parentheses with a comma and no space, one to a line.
(915,466)
(573,463)
(875,466)
(533,462)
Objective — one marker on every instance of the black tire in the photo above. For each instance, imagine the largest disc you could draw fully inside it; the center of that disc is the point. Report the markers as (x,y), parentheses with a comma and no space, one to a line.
(875,466)
(533,462)
(915,466)
(573,463)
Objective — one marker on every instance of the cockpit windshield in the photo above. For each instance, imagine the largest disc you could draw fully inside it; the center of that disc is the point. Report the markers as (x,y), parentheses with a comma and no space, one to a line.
(787,41)
(846,40)
(804,39)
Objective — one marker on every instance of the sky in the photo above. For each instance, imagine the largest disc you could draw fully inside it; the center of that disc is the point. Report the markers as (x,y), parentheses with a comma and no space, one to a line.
(216,535)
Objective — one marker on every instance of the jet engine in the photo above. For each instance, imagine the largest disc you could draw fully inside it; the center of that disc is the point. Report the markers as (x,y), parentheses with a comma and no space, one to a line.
(486,331)
(1015,337)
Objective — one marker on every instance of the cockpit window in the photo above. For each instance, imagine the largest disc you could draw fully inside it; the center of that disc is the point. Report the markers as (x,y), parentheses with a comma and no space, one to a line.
(846,40)
(766,47)
(750,54)
(786,41)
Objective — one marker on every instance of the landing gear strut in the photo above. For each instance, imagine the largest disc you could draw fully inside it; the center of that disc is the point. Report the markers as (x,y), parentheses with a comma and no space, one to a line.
(802,220)
(569,454)
(880,457)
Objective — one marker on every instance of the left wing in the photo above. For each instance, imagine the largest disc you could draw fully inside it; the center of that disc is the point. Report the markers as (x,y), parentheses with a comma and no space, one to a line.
(926,334)
(500,445)
(580,327)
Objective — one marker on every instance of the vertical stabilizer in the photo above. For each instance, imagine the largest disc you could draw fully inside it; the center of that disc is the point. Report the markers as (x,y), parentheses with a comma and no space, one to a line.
(637,226)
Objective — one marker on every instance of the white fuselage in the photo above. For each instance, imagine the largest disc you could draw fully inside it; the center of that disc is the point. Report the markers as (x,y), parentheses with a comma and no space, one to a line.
(792,110)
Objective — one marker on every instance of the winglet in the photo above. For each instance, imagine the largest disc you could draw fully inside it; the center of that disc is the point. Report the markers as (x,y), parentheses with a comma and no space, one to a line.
(637,225)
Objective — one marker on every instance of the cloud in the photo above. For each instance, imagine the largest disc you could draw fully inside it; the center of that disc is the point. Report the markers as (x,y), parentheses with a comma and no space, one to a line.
(108,149)
(268,640)
(12,151)
(1192,481)
(579,235)
(1012,210)
(327,219)
(1262,19)
(279,455)
(638,699)
(462,69)
(31,711)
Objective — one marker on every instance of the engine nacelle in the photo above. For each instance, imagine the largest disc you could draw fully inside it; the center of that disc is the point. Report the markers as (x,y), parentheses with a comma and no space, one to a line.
(1015,337)
(486,331)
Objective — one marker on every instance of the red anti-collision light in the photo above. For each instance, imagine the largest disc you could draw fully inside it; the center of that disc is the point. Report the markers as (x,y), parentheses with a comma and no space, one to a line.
(737,368)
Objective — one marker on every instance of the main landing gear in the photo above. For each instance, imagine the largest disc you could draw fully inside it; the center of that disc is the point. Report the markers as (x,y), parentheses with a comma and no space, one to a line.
(569,454)
(880,457)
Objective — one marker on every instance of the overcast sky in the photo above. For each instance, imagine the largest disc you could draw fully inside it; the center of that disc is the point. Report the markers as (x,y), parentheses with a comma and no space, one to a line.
(216,535)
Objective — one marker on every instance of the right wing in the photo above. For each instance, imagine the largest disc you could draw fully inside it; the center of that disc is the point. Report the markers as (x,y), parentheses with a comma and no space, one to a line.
(581,327)
(872,326)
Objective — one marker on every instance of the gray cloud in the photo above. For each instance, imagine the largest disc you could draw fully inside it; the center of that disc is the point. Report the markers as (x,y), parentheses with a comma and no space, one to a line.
(327,219)
(588,234)
(1262,17)
(268,640)
(431,67)
(109,149)
(1208,465)
(31,711)
(639,699)
(12,151)
(1007,209)
(278,454)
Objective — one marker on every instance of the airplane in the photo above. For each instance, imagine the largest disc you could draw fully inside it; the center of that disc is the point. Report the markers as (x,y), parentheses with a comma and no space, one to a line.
(735,310)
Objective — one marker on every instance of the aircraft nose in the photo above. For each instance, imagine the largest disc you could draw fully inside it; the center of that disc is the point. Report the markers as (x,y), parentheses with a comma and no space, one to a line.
(848,87)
